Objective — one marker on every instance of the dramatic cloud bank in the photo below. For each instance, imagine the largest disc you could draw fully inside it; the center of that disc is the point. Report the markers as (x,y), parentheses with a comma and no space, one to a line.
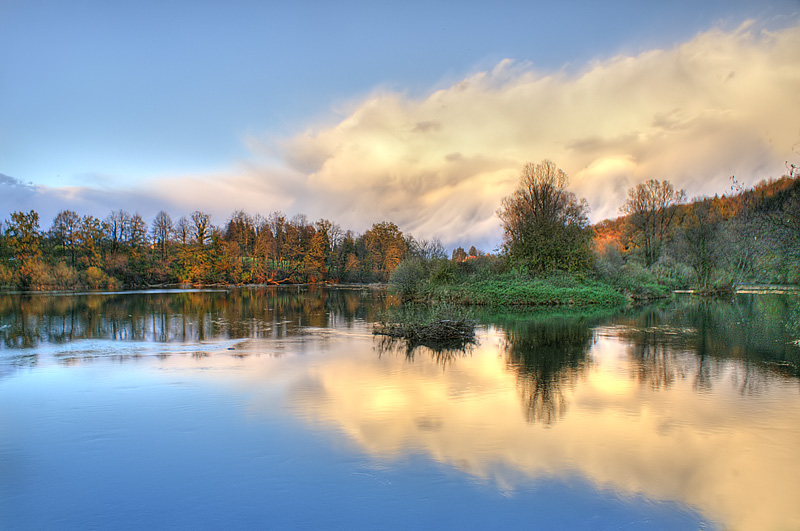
(721,104)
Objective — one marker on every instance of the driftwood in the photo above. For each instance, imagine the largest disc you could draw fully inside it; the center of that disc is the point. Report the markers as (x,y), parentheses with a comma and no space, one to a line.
(441,332)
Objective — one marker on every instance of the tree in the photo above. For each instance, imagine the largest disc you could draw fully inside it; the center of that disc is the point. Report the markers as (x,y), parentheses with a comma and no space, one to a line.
(201,227)
(135,235)
(459,254)
(650,210)
(385,248)
(546,227)
(64,231)
(162,232)
(241,229)
(425,249)
(183,230)
(89,239)
(115,226)
(699,239)
(23,236)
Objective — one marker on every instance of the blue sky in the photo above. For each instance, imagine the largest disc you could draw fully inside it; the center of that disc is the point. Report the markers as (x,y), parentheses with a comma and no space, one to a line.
(307,106)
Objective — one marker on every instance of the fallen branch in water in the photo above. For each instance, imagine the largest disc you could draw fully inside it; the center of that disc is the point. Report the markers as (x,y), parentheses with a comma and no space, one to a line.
(442,331)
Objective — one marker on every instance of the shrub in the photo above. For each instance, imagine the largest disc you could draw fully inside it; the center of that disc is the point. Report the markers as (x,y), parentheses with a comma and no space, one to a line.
(407,277)
(443,271)
(64,276)
(96,278)
(6,275)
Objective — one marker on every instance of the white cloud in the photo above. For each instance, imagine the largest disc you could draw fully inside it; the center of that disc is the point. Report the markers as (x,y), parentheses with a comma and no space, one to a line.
(718,105)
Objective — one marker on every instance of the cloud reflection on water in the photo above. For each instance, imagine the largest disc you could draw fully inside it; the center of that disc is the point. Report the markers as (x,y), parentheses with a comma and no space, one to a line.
(730,456)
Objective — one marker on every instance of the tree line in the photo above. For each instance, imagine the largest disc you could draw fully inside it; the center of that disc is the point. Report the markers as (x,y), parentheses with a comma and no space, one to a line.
(123,250)
(659,238)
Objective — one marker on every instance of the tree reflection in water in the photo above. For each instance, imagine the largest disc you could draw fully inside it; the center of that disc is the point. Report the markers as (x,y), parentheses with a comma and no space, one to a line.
(27,320)
(548,356)
(696,337)
(440,354)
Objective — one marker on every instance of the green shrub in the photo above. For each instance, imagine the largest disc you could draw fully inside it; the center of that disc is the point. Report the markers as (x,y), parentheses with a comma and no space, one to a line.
(407,277)
(443,271)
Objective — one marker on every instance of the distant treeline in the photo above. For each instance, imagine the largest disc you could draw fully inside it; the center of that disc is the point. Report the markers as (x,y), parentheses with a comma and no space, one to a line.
(122,250)
(749,235)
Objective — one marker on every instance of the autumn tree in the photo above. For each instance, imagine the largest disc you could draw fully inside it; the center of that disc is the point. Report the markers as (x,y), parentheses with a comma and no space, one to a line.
(385,248)
(89,241)
(23,238)
(459,254)
(545,227)
(23,235)
(650,210)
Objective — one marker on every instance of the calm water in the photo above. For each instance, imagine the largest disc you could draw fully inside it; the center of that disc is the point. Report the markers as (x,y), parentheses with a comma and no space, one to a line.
(277,408)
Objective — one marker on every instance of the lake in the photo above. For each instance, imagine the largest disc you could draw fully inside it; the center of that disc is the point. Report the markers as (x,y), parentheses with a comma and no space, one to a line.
(277,408)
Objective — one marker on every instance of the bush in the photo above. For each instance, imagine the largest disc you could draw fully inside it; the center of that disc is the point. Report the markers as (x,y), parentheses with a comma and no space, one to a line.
(407,277)
(96,278)
(608,264)
(64,276)
(6,276)
(443,271)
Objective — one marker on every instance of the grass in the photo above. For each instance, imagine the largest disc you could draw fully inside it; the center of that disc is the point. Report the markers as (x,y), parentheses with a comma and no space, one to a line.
(518,290)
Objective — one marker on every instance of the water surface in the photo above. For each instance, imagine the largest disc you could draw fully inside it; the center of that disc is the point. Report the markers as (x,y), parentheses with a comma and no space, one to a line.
(277,407)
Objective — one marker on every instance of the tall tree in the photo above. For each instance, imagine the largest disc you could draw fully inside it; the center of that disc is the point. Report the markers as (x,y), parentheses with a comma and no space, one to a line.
(545,226)
(66,226)
(650,210)
(23,235)
(183,230)
(161,232)
(699,241)
(115,225)
(385,248)
(201,227)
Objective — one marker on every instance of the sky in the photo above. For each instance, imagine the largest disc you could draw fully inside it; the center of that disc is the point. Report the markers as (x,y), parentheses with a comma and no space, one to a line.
(419,113)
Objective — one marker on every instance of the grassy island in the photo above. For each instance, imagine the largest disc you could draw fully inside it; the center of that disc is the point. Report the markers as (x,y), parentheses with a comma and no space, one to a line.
(484,282)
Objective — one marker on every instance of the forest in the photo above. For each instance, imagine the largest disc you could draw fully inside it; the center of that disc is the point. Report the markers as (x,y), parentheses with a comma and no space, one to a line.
(660,239)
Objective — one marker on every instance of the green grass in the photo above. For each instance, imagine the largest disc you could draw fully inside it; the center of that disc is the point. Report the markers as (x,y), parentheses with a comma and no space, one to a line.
(518,290)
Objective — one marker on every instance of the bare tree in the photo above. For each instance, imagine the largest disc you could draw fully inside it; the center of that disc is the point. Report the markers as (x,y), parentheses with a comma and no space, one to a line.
(183,230)
(650,213)
(136,231)
(66,226)
(114,227)
(161,232)
(201,227)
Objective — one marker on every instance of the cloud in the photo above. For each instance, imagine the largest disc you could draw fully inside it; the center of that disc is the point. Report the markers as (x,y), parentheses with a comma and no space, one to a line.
(723,103)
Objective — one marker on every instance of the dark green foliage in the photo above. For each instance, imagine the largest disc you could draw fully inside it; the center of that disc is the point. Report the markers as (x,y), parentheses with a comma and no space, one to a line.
(546,227)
